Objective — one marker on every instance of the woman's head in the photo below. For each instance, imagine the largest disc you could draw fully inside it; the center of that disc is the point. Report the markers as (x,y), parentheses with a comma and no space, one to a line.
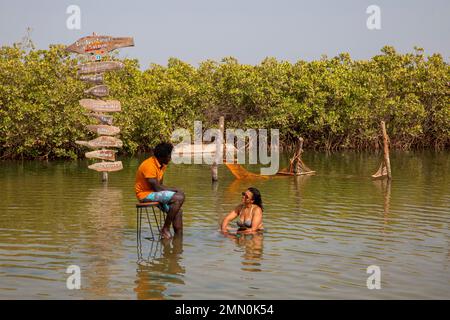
(252,196)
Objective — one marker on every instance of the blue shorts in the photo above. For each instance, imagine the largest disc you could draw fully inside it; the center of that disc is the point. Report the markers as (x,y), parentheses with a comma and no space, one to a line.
(163,197)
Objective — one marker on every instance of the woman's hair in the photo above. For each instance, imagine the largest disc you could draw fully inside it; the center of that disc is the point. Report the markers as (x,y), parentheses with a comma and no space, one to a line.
(256,197)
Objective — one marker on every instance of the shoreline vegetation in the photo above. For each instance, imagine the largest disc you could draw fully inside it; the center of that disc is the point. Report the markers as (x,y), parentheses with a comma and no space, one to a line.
(333,103)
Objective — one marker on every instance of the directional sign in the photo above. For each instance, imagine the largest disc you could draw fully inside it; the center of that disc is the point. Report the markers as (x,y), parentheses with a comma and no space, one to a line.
(94,78)
(107,166)
(102,44)
(102,154)
(102,142)
(99,67)
(104,130)
(100,105)
(102,118)
(98,91)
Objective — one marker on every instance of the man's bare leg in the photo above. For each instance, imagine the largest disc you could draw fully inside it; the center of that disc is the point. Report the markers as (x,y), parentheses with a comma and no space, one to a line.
(178,223)
(175,206)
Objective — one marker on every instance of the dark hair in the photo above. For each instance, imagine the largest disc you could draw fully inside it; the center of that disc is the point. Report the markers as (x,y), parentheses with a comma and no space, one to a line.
(163,150)
(256,197)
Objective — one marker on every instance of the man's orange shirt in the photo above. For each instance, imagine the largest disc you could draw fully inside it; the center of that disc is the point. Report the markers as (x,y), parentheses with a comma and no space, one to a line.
(149,169)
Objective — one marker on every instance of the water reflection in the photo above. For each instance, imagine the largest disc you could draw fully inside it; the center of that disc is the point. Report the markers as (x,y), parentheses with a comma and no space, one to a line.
(105,221)
(384,187)
(159,268)
(299,183)
(252,247)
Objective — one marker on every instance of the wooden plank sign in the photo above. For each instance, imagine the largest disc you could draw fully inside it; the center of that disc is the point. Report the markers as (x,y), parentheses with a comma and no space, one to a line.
(93,78)
(106,166)
(102,142)
(100,105)
(102,44)
(104,130)
(98,91)
(102,118)
(102,154)
(100,67)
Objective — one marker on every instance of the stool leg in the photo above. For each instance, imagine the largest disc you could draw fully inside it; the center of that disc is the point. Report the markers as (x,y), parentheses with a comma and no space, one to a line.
(160,218)
(138,238)
(156,219)
(150,224)
(140,224)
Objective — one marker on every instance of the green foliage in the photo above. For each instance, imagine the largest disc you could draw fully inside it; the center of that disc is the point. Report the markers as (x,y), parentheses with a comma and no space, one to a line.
(332,103)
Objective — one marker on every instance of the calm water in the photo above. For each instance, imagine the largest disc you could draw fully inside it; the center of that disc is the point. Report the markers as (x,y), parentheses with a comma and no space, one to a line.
(322,233)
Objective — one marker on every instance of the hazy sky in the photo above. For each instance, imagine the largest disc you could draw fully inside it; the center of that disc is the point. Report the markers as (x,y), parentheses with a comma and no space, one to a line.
(250,30)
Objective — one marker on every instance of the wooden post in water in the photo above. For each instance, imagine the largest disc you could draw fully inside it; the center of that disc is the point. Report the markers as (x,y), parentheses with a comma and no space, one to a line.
(297,156)
(387,160)
(214,166)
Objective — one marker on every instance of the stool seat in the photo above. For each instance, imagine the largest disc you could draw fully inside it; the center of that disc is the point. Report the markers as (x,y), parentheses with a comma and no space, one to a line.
(146,204)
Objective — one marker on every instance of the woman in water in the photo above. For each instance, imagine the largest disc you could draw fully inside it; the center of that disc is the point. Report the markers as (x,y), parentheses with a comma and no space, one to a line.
(249,213)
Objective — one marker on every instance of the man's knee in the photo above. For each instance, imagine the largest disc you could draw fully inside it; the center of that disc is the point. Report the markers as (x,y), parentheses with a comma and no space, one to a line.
(181,195)
(178,197)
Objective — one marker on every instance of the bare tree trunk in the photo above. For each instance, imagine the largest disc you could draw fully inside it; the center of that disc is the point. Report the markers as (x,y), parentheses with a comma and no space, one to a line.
(214,166)
(387,160)
(297,155)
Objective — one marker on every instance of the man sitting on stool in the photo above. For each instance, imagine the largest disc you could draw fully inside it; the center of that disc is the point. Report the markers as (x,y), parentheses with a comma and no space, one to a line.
(149,188)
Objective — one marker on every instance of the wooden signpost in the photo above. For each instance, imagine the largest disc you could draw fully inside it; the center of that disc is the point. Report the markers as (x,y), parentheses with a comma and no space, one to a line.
(98,91)
(106,166)
(104,129)
(99,67)
(101,106)
(102,155)
(97,47)
(104,119)
(102,142)
(93,78)
(99,44)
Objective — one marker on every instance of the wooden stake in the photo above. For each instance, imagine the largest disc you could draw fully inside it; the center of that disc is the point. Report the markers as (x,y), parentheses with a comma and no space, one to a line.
(214,166)
(387,160)
(297,155)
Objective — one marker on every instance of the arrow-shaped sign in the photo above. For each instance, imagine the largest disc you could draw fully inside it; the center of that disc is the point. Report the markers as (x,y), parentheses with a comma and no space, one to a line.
(102,142)
(100,105)
(93,78)
(106,166)
(102,154)
(100,67)
(98,91)
(104,130)
(97,44)
(102,118)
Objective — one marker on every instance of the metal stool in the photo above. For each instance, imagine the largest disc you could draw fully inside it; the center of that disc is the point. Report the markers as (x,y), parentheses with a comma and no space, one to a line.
(144,207)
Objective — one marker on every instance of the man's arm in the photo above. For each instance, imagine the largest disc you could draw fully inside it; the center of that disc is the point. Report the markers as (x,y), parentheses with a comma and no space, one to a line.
(168,188)
(157,186)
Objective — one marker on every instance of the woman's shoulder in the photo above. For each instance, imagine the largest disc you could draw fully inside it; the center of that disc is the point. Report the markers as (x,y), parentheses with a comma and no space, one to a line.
(257,209)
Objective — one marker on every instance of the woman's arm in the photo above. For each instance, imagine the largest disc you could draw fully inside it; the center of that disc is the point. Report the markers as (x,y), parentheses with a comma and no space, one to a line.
(231,216)
(256,221)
